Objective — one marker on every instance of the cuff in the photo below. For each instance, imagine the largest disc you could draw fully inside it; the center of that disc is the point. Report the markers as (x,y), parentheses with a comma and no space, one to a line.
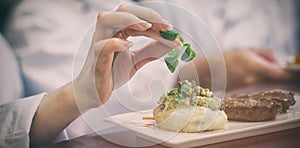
(16,119)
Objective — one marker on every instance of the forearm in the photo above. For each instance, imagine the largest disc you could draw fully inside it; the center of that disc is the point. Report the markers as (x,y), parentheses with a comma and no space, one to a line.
(56,111)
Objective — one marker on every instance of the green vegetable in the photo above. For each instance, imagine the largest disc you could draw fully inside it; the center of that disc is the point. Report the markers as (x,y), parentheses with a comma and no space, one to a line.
(174,93)
(189,94)
(171,59)
(181,39)
(169,34)
(171,63)
(174,53)
(188,54)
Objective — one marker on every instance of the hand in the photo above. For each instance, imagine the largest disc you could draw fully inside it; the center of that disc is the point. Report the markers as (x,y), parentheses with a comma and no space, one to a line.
(110,62)
(247,67)
(244,67)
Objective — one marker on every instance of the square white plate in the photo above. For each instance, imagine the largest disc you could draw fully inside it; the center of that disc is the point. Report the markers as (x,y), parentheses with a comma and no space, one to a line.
(233,130)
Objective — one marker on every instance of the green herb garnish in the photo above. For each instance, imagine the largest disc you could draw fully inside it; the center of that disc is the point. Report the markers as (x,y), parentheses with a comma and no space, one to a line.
(188,54)
(181,39)
(189,94)
(171,63)
(169,34)
(171,59)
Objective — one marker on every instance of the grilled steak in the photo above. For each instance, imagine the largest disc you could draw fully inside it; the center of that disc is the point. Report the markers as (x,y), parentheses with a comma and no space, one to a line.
(262,106)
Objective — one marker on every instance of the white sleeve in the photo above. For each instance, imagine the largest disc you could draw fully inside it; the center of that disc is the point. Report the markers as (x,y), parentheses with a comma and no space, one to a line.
(16,119)
(11,84)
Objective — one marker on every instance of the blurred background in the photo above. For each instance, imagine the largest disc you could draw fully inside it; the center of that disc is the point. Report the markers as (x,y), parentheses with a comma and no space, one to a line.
(39,38)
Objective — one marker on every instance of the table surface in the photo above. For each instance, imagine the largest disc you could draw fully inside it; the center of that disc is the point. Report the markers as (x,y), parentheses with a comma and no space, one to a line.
(287,138)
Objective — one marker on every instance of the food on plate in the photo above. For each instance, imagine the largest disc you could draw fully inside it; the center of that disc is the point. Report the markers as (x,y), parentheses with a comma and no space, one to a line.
(189,108)
(249,109)
(282,99)
(261,106)
(171,59)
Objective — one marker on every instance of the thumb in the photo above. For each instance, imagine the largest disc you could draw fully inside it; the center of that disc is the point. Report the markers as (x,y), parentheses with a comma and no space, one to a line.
(269,69)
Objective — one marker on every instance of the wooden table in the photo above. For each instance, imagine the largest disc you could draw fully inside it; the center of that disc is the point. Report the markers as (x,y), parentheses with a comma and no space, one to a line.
(282,139)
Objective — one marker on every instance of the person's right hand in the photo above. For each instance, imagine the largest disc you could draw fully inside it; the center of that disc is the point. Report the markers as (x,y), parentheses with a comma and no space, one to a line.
(247,67)
(244,67)
(110,63)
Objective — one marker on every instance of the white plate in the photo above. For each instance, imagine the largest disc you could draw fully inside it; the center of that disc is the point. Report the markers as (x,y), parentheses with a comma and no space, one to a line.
(232,130)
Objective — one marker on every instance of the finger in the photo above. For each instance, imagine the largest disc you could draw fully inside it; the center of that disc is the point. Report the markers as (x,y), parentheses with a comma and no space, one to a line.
(151,52)
(268,69)
(265,53)
(154,50)
(139,65)
(120,20)
(110,23)
(148,15)
(111,45)
(154,35)
(101,14)
(105,51)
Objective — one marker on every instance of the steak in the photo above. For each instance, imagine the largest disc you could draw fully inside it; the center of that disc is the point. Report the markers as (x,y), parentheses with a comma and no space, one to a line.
(262,106)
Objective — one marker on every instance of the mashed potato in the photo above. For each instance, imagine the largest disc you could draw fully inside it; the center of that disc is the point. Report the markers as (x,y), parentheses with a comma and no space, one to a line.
(189,109)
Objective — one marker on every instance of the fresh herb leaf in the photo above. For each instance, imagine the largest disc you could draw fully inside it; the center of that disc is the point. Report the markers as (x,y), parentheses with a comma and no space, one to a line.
(187,45)
(178,98)
(169,34)
(172,58)
(188,54)
(173,53)
(185,89)
(173,92)
(181,39)
(172,63)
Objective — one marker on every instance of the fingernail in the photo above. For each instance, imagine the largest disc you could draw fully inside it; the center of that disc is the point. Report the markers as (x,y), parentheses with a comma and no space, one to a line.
(178,43)
(166,24)
(169,27)
(146,25)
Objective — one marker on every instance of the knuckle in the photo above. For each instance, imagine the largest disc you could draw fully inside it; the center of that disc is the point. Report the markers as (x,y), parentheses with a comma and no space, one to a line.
(121,7)
(113,41)
(98,45)
(100,15)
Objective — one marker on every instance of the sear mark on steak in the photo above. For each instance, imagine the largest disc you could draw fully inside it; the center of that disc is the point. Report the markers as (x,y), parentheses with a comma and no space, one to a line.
(262,106)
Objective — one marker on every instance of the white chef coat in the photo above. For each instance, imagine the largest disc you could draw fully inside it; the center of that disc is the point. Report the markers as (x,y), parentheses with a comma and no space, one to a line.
(16,118)
(10,81)
(45,34)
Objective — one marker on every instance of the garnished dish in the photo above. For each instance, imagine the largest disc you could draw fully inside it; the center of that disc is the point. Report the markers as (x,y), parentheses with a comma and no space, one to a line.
(261,106)
(184,112)
(190,109)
